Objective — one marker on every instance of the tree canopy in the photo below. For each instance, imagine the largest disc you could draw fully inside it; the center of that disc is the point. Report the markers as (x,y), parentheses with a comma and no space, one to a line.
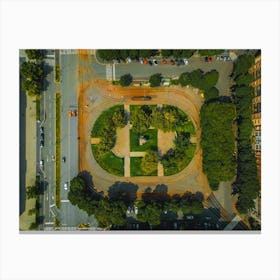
(33,75)
(217,141)
(34,54)
(242,64)
(126,80)
(155,80)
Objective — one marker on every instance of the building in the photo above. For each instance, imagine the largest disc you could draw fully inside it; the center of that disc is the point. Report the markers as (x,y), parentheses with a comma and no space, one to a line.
(256,110)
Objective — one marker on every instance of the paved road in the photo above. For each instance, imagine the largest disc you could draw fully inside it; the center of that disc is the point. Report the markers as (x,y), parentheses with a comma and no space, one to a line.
(143,72)
(70,215)
(48,151)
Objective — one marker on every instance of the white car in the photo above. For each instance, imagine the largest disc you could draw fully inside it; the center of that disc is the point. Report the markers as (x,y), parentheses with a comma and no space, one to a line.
(66,186)
(186,61)
(41,162)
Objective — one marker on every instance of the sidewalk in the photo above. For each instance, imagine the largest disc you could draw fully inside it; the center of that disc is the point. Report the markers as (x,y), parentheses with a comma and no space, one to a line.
(30,142)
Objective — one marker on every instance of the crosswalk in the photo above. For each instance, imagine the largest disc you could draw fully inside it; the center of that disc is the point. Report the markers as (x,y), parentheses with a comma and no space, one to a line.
(110,72)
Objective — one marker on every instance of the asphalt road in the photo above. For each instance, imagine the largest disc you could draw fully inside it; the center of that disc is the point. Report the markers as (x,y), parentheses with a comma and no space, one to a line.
(48,151)
(143,72)
(70,215)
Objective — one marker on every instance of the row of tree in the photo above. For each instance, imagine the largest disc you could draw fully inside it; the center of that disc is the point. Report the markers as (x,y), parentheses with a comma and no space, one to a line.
(32,73)
(246,180)
(111,210)
(217,142)
(204,81)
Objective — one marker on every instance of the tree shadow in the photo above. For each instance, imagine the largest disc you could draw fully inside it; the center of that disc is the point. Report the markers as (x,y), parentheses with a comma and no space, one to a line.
(159,194)
(125,191)
(199,196)
(87,178)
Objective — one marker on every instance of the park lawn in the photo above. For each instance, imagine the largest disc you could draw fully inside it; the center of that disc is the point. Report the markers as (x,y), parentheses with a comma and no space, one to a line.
(104,120)
(190,128)
(181,164)
(109,162)
(151,144)
(135,168)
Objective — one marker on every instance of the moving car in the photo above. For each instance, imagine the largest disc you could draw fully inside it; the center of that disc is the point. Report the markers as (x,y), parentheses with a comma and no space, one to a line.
(66,186)
(42,162)
(64,159)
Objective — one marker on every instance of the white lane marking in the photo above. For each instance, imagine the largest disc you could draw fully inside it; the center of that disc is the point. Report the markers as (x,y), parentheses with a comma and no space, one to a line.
(64,200)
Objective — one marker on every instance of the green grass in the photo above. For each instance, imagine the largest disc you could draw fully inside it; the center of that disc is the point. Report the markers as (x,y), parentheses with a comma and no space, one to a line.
(38,103)
(109,162)
(135,168)
(182,163)
(57,73)
(103,121)
(57,151)
(151,144)
(190,128)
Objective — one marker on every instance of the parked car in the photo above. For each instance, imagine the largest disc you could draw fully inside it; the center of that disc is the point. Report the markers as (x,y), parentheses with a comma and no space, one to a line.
(41,129)
(53,158)
(164,61)
(209,59)
(150,62)
(172,62)
(206,59)
(42,162)
(186,62)
(145,61)
(64,159)
(155,62)
(128,60)
(42,143)
(141,60)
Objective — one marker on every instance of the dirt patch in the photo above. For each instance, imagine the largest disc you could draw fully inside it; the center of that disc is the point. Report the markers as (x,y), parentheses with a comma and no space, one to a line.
(121,148)
(165,141)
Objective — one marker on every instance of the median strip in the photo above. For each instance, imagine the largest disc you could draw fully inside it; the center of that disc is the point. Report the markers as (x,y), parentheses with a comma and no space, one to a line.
(57,150)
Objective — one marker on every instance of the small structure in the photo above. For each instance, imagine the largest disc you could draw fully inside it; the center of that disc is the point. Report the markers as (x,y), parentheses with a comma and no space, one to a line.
(142,140)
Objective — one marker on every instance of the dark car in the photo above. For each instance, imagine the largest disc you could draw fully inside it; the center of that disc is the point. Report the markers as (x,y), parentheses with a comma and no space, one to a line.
(150,62)
(172,62)
(64,159)
(206,58)
(42,143)
(145,98)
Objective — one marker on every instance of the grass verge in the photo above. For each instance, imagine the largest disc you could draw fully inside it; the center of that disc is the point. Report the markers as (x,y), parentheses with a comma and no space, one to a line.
(38,104)
(109,161)
(57,150)
(57,74)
